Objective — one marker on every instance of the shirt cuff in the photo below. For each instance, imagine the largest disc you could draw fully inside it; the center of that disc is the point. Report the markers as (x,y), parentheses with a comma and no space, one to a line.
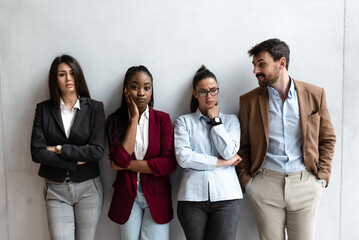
(212,162)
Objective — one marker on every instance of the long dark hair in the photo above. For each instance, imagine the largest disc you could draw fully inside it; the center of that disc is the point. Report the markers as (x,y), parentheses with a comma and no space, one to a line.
(80,82)
(118,120)
(202,73)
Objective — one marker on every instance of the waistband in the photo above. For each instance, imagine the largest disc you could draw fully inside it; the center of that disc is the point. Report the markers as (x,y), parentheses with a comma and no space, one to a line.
(68,181)
(299,174)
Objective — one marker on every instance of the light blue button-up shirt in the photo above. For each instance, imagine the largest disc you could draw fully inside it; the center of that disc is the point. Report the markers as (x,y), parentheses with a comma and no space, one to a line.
(285,141)
(198,145)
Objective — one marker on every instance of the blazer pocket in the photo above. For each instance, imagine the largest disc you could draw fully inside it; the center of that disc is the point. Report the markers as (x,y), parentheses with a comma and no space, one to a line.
(312,135)
(313,112)
(313,122)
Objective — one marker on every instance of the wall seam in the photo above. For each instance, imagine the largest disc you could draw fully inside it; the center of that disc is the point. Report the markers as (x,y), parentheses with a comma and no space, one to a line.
(342,126)
(2,142)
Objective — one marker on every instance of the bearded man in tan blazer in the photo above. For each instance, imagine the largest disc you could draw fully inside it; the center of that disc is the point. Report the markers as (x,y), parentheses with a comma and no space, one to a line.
(287,145)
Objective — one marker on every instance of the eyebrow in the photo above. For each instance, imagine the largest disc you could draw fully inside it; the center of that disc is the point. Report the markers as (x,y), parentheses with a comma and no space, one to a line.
(259,60)
(139,83)
(205,89)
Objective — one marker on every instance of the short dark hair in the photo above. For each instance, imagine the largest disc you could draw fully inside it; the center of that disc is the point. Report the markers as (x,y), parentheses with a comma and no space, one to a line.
(202,73)
(80,82)
(118,121)
(275,47)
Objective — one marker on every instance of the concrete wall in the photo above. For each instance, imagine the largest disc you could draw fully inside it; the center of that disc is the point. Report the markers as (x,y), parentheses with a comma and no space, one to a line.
(172,38)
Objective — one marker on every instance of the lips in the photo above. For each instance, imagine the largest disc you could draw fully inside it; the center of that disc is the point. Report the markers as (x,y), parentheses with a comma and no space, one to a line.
(260,76)
(141,99)
(69,85)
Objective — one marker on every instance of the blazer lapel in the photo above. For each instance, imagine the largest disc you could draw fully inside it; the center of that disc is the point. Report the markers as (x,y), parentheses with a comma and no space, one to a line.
(264,109)
(79,116)
(303,104)
(57,115)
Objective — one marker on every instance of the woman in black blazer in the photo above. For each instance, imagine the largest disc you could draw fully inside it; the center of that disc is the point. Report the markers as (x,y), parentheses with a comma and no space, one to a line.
(68,139)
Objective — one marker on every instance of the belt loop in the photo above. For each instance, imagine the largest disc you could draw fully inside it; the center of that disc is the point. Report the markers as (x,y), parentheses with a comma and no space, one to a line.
(301,175)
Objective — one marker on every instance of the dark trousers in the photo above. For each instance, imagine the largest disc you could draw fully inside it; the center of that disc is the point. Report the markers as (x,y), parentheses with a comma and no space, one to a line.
(209,220)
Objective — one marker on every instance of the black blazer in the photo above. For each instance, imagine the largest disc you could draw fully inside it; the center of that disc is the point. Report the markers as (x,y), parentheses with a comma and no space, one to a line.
(86,142)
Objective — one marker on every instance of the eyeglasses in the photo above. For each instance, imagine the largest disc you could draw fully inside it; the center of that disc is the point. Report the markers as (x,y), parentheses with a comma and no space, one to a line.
(204,93)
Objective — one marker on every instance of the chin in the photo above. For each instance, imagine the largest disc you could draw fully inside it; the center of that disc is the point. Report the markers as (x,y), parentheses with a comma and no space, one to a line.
(142,104)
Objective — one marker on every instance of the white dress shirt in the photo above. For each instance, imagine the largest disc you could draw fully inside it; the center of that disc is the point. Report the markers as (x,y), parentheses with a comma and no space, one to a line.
(141,144)
(68,116)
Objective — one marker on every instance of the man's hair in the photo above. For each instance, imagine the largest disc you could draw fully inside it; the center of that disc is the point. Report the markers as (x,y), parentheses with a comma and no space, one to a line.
(275,47)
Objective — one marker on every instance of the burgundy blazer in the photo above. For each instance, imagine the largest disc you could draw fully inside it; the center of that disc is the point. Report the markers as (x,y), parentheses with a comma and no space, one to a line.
(156,187)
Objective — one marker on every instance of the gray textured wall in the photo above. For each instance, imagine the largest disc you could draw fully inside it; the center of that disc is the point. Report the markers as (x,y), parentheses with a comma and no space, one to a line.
(172,38)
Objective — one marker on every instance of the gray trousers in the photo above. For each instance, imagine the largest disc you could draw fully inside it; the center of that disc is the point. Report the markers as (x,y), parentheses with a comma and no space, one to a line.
(73,209)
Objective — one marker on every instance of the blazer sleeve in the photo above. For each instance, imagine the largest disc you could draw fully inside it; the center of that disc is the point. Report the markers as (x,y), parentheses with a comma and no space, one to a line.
(117,152)
(38,145)
(165,163)
(119,155)
(243,168)
(94,149)
(327,141)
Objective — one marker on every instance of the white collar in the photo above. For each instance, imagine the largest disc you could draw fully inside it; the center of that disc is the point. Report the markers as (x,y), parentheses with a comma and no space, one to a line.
(77,104)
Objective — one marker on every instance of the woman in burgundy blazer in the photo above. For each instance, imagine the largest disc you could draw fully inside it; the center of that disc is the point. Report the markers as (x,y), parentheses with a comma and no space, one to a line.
(142,189)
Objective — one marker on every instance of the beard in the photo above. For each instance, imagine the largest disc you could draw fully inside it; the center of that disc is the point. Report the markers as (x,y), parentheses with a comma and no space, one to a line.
(267,81)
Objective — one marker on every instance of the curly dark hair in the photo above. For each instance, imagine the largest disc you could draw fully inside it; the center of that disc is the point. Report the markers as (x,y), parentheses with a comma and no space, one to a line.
(275,47)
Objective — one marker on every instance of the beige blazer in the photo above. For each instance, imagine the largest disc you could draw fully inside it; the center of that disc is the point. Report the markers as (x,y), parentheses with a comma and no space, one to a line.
(318,137)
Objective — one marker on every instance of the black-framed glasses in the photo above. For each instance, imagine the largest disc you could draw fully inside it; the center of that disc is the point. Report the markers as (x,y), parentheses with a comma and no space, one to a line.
(204,93)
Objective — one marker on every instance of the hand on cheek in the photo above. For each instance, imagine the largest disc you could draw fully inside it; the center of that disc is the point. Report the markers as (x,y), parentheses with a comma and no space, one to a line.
(131,105)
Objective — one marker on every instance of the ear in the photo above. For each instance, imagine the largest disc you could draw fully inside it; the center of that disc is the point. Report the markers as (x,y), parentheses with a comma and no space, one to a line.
(194,93)
(282,62)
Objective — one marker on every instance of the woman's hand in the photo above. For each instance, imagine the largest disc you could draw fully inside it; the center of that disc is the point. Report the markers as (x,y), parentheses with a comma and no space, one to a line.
(131,105)
(51,148)
(80,163)
(231,162)
(213,112)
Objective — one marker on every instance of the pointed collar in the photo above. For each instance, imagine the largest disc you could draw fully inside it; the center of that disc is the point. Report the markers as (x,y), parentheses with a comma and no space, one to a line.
(274,93)
(77,105)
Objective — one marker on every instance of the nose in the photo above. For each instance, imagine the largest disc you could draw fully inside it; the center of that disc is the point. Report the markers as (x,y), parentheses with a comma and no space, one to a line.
(69,77)
(209,96)
(141,92)
(256,70)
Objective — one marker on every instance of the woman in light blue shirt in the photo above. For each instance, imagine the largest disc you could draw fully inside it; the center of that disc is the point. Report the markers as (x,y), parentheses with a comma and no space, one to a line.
(206,146)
